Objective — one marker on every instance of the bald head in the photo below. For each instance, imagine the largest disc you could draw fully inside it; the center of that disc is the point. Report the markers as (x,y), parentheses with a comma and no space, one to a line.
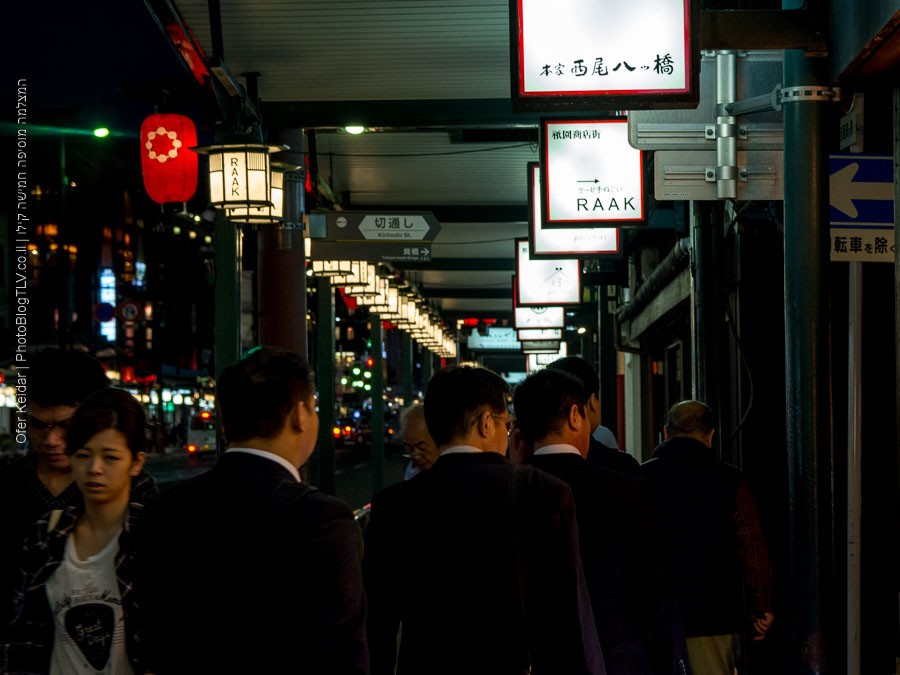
(692,419)
(415,437)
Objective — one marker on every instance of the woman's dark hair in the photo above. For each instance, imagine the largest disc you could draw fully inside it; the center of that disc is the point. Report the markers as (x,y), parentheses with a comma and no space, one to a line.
(108,409)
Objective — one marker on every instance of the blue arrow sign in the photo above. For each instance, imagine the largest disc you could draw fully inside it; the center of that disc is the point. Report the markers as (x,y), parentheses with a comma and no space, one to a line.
(861,191)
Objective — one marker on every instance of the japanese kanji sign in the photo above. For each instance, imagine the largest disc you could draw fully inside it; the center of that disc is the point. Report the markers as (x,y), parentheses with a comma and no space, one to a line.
(861,198)
(608,54)
(590,174)
(395,236)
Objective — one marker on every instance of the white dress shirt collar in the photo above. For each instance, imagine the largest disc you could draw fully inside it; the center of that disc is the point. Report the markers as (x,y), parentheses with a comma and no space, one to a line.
(558,449)
(269,455)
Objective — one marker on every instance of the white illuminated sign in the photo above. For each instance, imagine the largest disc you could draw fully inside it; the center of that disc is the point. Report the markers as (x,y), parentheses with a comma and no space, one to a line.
(540,317)
(540,346)
(108,295)
(496,338)
(546,282)
(540,334)
(568,241)
(538,361)
(591,174)
(640,49)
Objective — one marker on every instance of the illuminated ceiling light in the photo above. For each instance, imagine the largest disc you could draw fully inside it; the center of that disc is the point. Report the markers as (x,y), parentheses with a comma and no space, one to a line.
(101,132)
(331,268)
(355,130)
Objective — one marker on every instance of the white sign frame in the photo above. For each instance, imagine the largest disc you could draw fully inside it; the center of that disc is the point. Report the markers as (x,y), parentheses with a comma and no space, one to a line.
(539,334)
(564,242)
(543,282)
(590,174)
(603,54)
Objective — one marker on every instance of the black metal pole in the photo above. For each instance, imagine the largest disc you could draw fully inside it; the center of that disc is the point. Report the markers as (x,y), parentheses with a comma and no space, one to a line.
(406,369)
(325,381)
(808,368)
(377,336)
(607,358)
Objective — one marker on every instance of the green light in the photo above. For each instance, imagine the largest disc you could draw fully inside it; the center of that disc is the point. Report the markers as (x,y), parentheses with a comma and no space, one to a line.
(368,387)
(367,374)
(344,381)
(176,230)
(101,132)
(356,370)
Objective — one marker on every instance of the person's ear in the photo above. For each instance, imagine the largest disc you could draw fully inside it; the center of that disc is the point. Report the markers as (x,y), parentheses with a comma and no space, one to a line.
(576,417)
(485,424)
(138,463)
(295,417)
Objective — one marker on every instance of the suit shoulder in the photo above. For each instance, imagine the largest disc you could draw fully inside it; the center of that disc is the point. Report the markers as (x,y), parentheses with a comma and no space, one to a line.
(314,504)
(396,494)
(549,483)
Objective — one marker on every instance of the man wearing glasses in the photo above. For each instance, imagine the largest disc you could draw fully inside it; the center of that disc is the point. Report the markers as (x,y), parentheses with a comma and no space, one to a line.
(504,589)
(42,480)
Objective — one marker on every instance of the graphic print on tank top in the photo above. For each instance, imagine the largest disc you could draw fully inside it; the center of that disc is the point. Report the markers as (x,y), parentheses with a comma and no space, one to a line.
(90,627)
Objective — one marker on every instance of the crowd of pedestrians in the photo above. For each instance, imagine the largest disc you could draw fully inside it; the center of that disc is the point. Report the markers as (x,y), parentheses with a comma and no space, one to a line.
(531,556)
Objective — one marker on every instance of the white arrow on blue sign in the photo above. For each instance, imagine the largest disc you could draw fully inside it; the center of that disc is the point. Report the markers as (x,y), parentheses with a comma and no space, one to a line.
(861,189)
(861,198)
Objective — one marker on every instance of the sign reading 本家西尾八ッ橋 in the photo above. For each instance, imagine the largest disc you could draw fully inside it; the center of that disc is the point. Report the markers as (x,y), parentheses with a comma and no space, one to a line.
(603,54)
(590,174)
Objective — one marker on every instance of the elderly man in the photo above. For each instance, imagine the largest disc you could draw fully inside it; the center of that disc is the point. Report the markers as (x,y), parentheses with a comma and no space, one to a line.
(504,587)
(417,442)
(711,530)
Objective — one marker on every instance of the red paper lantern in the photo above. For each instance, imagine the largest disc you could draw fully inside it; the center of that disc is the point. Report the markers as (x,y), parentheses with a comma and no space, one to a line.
(168,164)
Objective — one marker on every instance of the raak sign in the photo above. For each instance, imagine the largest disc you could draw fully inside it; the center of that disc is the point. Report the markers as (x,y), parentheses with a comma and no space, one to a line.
(590,174)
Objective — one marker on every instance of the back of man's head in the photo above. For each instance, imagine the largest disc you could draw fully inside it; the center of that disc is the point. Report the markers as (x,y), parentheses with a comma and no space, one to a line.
(455,394)
(542,402)
(256,393)
(690,418)
(580,368)
(63,378)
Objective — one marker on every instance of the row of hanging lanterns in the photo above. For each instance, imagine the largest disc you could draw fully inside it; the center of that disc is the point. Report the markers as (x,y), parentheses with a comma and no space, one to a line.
(250,188)
(243,181)
(400,305)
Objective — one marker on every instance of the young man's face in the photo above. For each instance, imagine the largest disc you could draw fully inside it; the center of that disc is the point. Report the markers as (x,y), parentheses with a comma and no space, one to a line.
(47,428)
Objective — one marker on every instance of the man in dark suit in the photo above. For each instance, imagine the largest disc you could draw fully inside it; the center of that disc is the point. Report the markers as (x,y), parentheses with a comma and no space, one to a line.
(246,569)
(711,528)
(502,585)
(600,453)
(638,626)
